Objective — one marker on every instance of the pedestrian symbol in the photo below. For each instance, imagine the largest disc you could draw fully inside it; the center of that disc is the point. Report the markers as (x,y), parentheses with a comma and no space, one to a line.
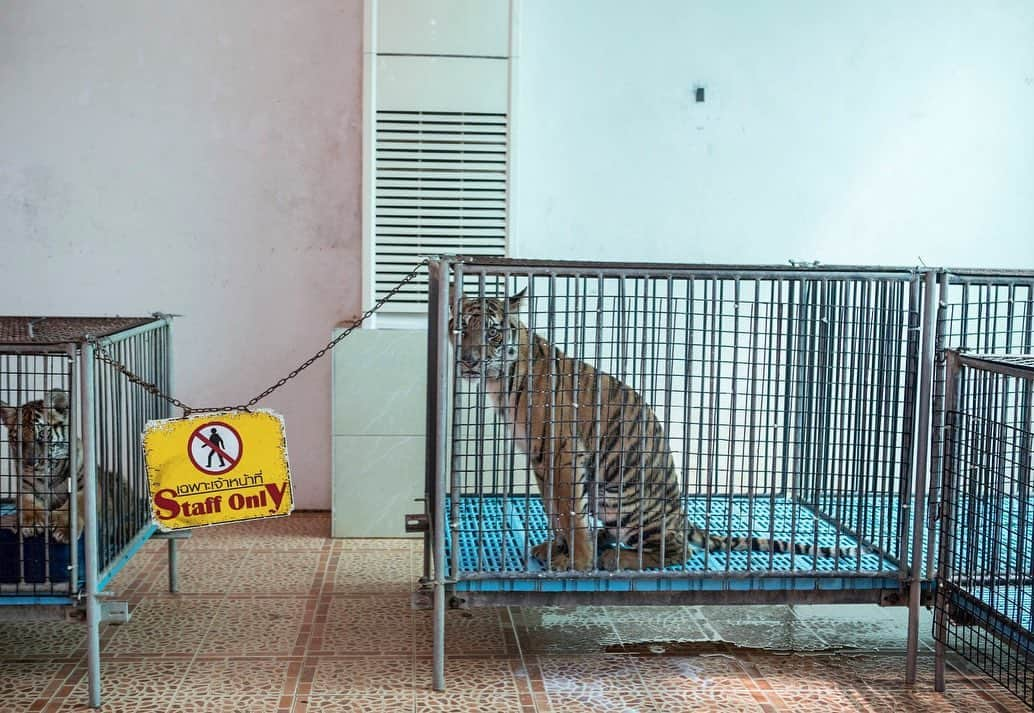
(215,448)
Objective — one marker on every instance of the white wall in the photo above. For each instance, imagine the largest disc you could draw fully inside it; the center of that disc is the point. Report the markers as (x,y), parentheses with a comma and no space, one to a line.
(877,132)
(198,158)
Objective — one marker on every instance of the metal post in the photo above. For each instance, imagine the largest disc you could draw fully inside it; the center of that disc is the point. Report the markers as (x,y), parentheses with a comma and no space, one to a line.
(923,441)
(174,586)
(170,381)
(941,610)
(439,281)
(73,467)
(93,605)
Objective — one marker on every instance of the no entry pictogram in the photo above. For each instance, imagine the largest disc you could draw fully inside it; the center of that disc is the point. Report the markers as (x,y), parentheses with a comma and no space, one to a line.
(215,448)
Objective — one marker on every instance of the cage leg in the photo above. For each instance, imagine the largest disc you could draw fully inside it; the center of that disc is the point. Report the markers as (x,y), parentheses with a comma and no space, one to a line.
(938,670)
(439,638)
(174,584)
(912,646)
(93,649)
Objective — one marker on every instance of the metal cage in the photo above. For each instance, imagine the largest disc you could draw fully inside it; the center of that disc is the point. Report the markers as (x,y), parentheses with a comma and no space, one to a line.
(74,503)
(985,567)
(786,397)
(797,404)
(985,311)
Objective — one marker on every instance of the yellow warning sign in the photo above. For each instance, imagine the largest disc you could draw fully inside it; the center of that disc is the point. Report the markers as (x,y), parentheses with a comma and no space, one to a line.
(216,468)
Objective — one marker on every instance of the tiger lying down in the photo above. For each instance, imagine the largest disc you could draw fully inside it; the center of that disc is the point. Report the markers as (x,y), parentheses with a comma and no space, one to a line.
(38,444)
(635,493)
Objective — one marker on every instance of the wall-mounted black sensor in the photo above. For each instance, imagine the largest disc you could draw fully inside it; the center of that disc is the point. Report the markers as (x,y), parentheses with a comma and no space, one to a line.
(699,94)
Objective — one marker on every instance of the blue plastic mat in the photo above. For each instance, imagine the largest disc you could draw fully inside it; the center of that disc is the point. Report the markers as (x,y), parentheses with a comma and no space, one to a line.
(495,531)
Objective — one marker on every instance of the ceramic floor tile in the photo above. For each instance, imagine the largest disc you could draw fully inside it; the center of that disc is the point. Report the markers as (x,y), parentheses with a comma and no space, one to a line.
(300,531)
(366,675)
(887,671)
(565,630)
(166,625)
(140,567)
(224,702)
(678,672)
(797,673)
(23,682)
(588,675)
(365,625)
(262,677)
(600,701)
(144,686)
(787,635)
(278,573)
(373,572)
(831,700)
(474,631)
(484,677)
(402,702)
(924,700)
(254,625)
(40,639)
(208,571)
(453,701)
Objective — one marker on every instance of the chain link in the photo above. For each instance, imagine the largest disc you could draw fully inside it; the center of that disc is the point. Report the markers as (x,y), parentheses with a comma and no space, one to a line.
(102,355)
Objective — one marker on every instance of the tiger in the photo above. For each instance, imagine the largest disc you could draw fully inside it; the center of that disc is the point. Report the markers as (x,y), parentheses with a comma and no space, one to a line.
(614,475)
(38,443)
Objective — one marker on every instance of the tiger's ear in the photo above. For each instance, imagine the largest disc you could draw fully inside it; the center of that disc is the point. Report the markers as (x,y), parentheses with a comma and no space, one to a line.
(515,300)
(56,399)
(8,415)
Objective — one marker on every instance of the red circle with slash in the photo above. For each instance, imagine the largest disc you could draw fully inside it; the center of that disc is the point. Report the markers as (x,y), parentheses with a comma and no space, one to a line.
(228,453)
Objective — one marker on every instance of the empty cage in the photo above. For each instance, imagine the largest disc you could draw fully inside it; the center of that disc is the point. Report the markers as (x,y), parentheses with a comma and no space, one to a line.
(985,311)
(985,566)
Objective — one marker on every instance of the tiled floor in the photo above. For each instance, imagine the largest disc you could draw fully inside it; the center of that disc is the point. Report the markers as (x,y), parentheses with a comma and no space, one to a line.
(275,616)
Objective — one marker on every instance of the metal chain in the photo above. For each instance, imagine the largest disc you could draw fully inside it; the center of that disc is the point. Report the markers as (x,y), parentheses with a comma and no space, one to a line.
(102,355)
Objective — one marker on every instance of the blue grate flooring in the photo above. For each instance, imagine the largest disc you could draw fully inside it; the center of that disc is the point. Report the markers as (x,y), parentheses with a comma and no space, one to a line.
(495,532)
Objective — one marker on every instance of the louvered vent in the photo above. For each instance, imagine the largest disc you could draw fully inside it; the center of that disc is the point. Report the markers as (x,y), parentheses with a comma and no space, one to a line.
(440,188)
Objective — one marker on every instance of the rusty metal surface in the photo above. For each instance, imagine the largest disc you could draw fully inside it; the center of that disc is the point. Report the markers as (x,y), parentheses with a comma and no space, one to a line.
(28,330)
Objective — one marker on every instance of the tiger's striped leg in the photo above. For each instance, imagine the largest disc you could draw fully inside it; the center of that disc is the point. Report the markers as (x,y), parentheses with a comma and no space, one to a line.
(59,519)
(32,515)
(565,508)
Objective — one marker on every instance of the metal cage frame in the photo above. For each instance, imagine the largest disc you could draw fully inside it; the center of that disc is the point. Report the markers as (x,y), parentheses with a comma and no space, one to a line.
(106,414)
(923,325)
(985,566)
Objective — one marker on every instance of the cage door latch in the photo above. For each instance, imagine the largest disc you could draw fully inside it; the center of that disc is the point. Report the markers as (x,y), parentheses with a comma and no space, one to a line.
(416,522)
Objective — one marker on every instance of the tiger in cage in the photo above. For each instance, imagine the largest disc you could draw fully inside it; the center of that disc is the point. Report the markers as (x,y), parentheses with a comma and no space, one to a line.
(614,467)
(38,441)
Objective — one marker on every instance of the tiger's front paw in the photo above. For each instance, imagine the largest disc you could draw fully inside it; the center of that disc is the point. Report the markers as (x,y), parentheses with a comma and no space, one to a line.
(32,517)
(552,553)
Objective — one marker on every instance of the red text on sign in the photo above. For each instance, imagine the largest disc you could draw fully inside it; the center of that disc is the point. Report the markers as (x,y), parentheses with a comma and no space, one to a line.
(169,508)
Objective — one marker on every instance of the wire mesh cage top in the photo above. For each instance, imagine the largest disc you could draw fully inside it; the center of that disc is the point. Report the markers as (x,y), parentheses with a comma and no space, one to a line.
(44,331)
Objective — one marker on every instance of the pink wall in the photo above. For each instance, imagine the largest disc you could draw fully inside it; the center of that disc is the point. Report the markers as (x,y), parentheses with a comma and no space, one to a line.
(197,158)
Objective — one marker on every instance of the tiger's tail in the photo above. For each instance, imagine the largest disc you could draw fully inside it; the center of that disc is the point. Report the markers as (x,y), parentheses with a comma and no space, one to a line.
(734,543)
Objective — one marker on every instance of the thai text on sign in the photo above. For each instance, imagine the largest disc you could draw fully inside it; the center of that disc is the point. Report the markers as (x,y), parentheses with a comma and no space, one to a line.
(217,468)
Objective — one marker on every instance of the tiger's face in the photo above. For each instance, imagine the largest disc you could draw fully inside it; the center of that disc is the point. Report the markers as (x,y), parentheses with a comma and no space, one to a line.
(37,433)
(489,336)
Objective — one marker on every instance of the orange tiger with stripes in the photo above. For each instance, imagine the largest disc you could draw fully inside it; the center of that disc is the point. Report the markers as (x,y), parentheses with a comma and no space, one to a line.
(549,400)
(38,443)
